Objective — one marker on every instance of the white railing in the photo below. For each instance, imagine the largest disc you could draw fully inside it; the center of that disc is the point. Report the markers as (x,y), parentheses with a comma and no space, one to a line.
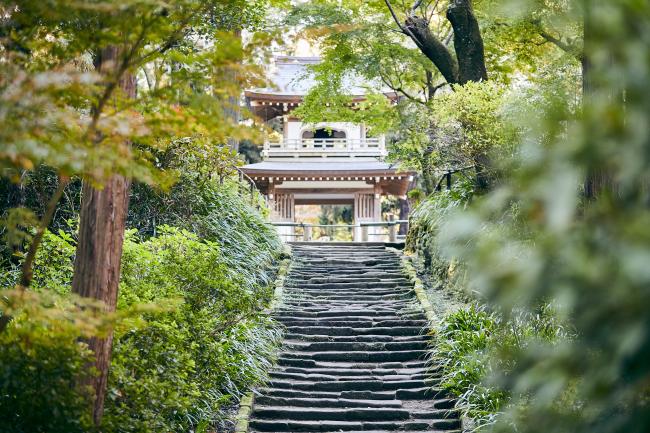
(385,231)
(324,147)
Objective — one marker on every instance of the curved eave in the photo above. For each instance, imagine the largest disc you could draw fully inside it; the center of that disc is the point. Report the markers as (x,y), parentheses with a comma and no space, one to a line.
(391,180)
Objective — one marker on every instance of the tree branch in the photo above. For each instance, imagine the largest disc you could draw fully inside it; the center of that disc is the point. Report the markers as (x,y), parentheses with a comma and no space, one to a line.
(558,42)
(433,48)
(404,29)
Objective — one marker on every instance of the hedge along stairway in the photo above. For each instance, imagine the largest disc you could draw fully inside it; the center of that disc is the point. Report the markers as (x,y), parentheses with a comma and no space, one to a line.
(354,352)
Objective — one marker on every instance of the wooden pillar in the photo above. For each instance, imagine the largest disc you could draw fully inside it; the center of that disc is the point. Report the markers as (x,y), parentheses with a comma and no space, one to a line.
(284,207)
(365,209)
(392,229)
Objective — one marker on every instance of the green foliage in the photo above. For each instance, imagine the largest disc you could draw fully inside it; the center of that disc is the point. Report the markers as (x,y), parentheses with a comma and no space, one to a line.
(473,114)
(587,257)
(185,364)
(462,348)
(39,381)
(53,267)
(426,221)
(43,361)
(201,339)
(472,345)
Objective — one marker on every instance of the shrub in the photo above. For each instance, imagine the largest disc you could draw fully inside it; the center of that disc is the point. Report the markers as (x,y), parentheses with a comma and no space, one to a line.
(39,389)
(202,339)
(185,364)
(462,348)
(422,238)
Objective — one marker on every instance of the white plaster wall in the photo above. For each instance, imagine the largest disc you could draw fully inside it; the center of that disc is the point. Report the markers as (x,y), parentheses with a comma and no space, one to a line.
(294,129)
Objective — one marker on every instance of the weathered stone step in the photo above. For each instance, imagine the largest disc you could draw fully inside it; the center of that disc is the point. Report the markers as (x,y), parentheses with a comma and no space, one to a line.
(350,269)
(416,363)
(355,347)
(378,431)
(356,285)
(347,293)
(333,376)
(362,356)
(356,338)
(356,371)
(357,321)
(350,395)
(322,302)
(333,273)
(353,385)
(395,296)
(319,426)
(347,313)
(325,402)
(359,278)
(334,414)
(428,392)
(367,323)
(351,330)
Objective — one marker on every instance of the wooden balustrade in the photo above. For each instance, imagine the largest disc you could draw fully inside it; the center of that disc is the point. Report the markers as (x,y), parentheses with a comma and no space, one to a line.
(325,147)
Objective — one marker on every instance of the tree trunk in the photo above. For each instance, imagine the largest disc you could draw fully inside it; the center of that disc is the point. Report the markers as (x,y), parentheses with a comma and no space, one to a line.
(468,42)
(99,251)
(598,179)
(481,168)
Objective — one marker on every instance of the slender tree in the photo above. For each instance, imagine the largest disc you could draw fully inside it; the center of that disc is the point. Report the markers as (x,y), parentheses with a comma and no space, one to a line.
(101,234)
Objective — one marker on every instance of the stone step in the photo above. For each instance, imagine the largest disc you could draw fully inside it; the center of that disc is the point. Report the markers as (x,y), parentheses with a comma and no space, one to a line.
(318,300)
(367,323)
(335,414)
(355,346)
(268,425)
(427,393)
(377,431)
(356,321)
(349,395)
(379,296)
(347,293)
(353,385)
(361,356)
(333,376)
(325,402)
(359,278)
(416,363)
(356,285)
(351,330)
(347,313)
(332,273)
(356,371)
(355,338)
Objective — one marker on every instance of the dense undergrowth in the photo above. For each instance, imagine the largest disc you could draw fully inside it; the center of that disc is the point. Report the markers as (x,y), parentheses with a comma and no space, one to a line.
(474,343)
(190,332)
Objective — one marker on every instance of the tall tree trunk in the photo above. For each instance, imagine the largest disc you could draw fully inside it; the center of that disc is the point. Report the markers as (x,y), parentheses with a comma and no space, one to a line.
(468,42)
(232,111)
(598,179)
(99,251)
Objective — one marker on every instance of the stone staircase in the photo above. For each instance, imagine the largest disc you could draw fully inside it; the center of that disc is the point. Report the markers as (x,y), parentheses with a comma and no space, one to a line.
(354,352)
